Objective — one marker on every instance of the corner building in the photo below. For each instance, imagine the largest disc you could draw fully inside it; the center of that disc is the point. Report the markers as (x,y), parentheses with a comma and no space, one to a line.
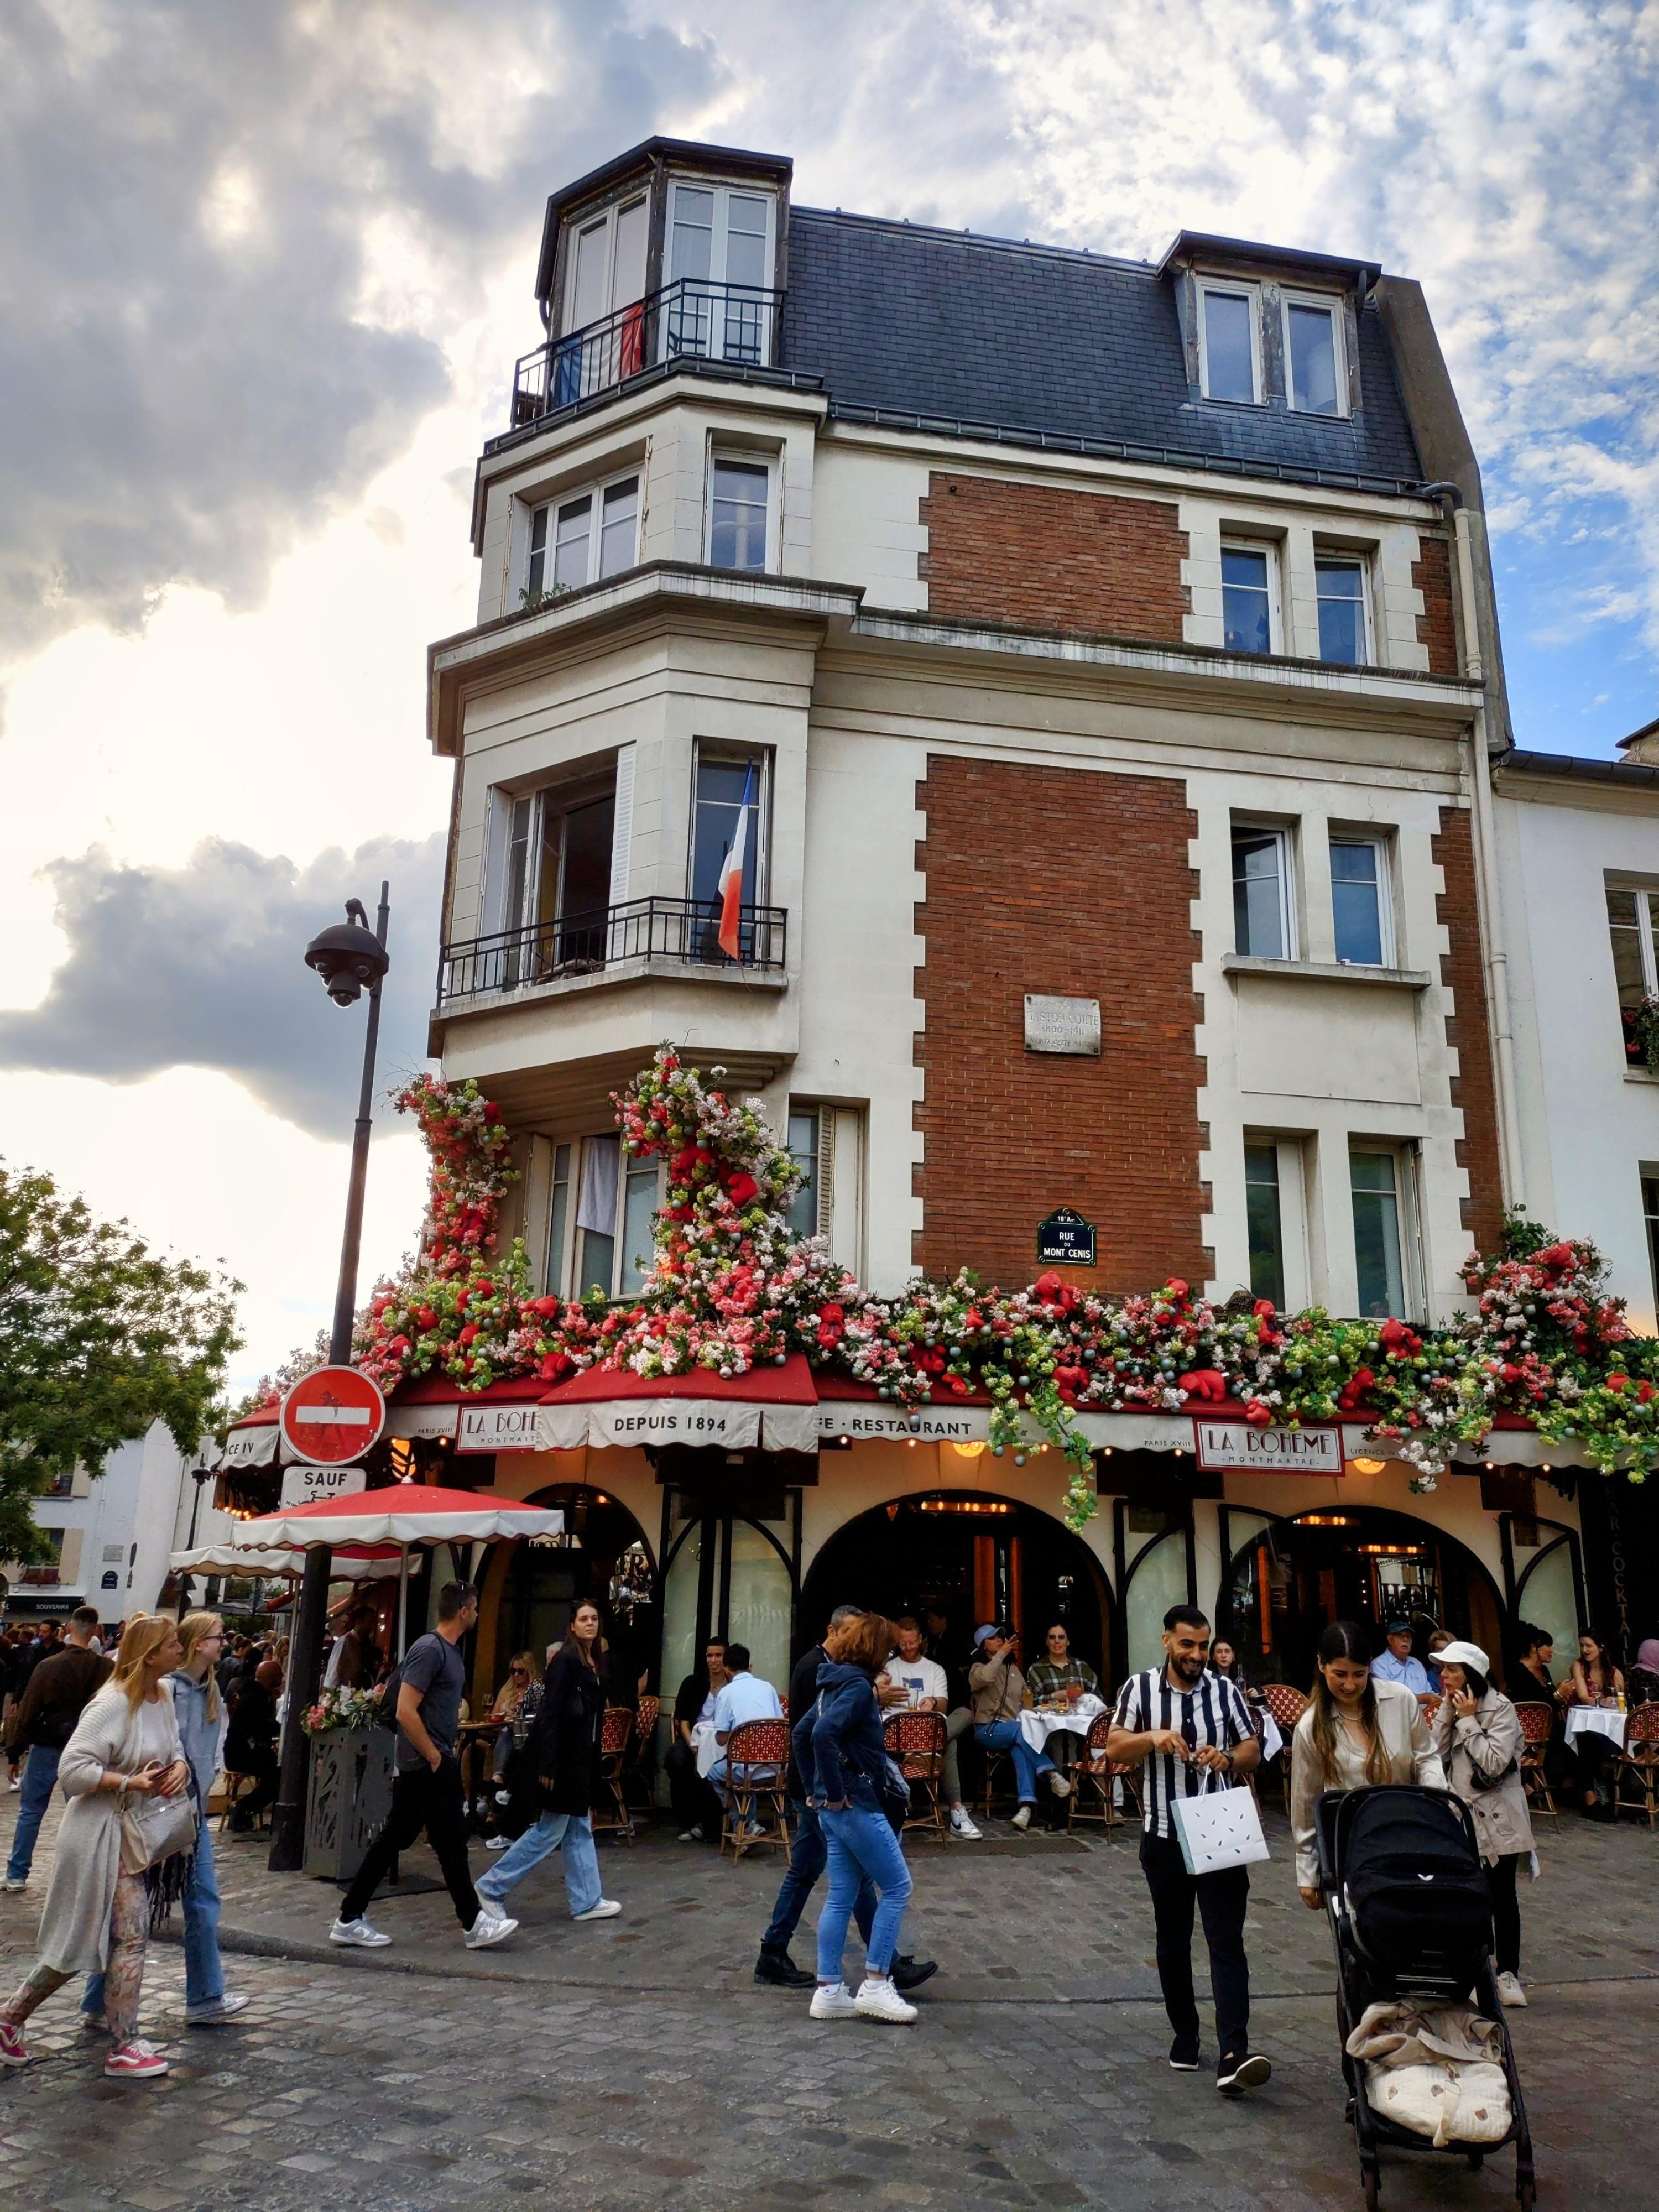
(1100,657)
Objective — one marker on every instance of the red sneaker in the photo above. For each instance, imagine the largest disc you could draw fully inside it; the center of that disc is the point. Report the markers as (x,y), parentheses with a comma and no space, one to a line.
(137,2061)
(12,2050)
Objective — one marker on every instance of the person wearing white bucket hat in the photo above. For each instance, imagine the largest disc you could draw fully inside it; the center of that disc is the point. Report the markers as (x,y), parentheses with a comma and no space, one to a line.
(1477,1732)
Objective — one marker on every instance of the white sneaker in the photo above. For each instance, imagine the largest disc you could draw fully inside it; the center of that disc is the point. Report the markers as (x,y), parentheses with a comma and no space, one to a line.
(1510,1995)
(691,1835)
(877,1999)
(1058,1784)
(489,1927)
(833,2001)
(210,2016)
(496,1842)
(606,1908)
(359,1932)
(10,1888)
(15,1784)
(961,1825)
(1023,1818)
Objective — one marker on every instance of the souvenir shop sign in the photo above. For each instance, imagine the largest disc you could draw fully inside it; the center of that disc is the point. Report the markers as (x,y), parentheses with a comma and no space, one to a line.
(1222,1444)
(1066,1240)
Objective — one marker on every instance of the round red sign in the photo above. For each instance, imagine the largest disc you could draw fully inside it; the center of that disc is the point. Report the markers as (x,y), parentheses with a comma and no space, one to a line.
(331,1416)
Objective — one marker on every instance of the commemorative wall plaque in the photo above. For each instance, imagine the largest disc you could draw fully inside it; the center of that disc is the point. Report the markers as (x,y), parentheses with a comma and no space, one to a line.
(1065,1026)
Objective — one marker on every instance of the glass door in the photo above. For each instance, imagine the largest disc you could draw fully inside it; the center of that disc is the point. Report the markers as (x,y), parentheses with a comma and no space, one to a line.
(728,1577)
(720,263)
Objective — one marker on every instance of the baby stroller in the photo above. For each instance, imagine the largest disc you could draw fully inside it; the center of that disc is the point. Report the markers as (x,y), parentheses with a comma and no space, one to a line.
(1401,1878)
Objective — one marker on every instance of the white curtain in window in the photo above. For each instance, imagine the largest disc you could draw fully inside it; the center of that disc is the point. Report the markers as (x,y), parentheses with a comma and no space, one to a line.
(596,1208)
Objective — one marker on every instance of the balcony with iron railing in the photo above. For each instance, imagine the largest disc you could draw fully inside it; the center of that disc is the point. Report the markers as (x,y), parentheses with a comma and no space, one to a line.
(640,932)
(693,319)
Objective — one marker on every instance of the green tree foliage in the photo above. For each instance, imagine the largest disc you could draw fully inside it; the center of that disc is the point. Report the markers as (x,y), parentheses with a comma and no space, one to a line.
(98,1338)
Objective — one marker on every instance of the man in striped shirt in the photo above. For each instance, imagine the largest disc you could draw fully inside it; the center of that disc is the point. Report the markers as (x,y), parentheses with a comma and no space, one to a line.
(1175,1721)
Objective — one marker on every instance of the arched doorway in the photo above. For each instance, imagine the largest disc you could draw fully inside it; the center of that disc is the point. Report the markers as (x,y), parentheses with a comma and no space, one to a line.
(729,1577)
(531,1589)
(955,1558)
(1288,1579)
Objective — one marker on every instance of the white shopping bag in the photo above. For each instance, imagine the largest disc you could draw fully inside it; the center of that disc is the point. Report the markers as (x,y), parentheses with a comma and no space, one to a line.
(1217,1828)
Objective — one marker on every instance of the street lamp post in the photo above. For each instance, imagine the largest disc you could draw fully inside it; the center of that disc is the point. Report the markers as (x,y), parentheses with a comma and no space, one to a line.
(348,956)
(198,1475)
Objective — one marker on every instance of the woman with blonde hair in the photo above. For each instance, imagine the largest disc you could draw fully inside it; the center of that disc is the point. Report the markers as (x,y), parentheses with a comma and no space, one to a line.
(1357,1731)
(124,1757)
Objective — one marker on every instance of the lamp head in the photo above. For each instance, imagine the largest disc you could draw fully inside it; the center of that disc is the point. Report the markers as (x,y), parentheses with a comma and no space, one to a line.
(347,957)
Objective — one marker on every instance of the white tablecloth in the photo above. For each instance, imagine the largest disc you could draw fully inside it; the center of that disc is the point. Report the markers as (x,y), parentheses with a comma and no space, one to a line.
(1036,1728)
(703,1743)
(1272,1742)
(1597,1720)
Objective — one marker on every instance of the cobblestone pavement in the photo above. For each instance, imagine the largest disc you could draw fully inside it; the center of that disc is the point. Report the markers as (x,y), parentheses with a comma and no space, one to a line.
(634,2063)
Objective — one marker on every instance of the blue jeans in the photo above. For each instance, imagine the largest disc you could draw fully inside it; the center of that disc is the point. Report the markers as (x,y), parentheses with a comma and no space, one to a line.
(863,1849)
(204,1970)
(581,1862)
(807,1855)
(40,1779)
(1005,1735)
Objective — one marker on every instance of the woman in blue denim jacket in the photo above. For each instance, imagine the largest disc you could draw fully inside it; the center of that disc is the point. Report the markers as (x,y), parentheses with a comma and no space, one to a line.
(843,1762)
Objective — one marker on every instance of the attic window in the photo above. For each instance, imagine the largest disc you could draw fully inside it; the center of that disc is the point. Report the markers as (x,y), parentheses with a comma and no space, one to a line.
(1229,345)
(1316,373)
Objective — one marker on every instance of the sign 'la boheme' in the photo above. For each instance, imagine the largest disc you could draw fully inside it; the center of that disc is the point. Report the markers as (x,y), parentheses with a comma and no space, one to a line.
(1224,1444)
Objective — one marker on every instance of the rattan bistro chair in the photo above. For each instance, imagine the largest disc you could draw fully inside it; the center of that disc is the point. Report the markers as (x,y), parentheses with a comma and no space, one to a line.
(917,1742)
(1093,1778)
(635,1768)
(610,1814)
(1637,1764)
(756,1774)
(1537,1720)
(1287,1706)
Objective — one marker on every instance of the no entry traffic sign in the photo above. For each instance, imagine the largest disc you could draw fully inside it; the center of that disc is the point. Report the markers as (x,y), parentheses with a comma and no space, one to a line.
(331,1416)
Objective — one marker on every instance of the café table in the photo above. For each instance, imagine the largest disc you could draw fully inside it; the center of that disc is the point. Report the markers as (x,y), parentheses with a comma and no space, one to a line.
(1596,1720)
(703,1744)
(1038,1723)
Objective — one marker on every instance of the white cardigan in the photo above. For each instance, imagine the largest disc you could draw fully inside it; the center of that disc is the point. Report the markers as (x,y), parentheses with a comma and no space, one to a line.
(74,1926)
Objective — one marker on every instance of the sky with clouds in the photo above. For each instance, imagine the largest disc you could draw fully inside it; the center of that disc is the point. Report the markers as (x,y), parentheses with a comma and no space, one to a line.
(263,272)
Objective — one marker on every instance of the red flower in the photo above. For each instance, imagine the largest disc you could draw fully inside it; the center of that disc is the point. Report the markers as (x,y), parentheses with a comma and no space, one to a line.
(1398,1341)
(468,1333)
(427,1318)
(491,1112)
(742,1187)
(831,1315)
(1177,1291)
(1205,1382)
(1256,1413)
(1069,1380)
(485,1290)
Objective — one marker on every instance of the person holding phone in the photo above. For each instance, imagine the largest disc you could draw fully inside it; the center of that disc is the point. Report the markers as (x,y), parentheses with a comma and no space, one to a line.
(999,1697)
(125,1746)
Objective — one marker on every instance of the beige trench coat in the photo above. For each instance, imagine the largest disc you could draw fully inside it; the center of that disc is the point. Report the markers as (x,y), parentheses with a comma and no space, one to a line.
(1488,1738)
(74,1926)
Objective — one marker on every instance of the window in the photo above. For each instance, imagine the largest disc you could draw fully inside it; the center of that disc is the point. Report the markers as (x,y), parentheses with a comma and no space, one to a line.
(577,541)
(609,1247)
(731,801)
(1227,345)
(549,884)
(1314,366)
(1633,929)
(719,266)
(1265,1220)
(1262,918)
(1246,598)
(805,1124)
(1374,1179)
(1651,1216)
(607,265)
(738,502)
(1360,906)
(1340,585)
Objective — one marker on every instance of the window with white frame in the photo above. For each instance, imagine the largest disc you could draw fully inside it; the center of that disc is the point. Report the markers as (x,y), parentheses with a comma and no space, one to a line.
(1362,910)
(1651,1221)
(576,541)
(1340,580)
(1249,598)
(601,1213)
(606,268)
(1275,1211)
(1315,366)
(739,498)
(720,272)
(1229,342)
(1263,900)
(1633,932)
(811,1148)
(1380,1187)
(826,1145)
(731,811)
(548,878)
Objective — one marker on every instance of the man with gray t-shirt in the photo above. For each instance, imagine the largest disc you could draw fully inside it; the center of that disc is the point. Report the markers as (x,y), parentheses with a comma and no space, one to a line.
(427,1794)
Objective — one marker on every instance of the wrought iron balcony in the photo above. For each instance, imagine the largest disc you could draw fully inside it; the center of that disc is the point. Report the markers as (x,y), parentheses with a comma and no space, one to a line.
(693,319)
(588,944)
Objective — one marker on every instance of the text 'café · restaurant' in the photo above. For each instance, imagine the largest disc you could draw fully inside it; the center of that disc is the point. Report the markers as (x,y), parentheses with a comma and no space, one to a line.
(747,1507)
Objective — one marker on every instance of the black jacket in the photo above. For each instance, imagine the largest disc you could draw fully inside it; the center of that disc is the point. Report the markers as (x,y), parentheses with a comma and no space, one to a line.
(565,1738)
(802,1689)
(252,1726)
(839,1750)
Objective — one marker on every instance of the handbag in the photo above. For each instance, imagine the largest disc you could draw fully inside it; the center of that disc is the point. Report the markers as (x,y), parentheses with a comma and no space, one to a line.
(153,1828)
(1217,1828)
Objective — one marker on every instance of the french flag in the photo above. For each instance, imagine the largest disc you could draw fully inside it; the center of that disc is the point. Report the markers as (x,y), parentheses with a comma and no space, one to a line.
(731,883)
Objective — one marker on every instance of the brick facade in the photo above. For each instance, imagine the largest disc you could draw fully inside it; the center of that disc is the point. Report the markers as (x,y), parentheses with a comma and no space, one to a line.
(1437,627)
(1074,882)
(1053,560)
(1468,1028)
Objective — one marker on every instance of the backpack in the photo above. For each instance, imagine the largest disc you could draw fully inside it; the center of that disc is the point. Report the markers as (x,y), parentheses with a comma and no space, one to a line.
(1415,1887)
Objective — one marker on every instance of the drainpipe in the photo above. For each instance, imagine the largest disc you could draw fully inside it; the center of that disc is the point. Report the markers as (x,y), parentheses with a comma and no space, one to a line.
(1488,892)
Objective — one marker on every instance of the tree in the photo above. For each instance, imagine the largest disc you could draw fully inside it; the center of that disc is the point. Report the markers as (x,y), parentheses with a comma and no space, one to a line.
(98,1338)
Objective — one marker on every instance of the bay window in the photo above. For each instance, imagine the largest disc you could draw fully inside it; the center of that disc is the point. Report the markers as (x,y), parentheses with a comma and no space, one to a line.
(730,808)
(740,497)
(581,539)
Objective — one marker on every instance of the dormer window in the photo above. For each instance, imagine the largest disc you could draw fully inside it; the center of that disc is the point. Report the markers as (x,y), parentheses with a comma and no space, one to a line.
(1315,373)
(720,264)
(1229,349)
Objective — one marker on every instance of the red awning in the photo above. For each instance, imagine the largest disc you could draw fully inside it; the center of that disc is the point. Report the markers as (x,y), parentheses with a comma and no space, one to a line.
(609,1407)
(435,1407)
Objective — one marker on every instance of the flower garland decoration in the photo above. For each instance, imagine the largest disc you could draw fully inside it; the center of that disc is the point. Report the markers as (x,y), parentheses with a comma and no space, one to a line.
(339,1709)
(730,1286)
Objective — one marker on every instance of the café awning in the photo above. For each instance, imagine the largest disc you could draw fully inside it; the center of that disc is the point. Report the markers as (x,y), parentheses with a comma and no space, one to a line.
(252,1442)
(402,1513)
(473,1420)
(356,1564)
(775,1408)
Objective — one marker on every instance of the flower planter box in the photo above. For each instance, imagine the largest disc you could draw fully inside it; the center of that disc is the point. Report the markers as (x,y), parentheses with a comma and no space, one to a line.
(349,1799)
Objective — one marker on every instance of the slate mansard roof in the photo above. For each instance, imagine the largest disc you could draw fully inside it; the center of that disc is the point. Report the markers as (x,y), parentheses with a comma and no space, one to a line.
(1036,342)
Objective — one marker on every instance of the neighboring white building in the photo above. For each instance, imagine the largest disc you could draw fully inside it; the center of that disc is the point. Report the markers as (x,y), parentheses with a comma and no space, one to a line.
(112,1534)
(1579,845)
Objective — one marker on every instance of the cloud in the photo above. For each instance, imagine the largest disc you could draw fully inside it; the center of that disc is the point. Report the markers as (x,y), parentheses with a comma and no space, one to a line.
(201,967)
(236,240)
